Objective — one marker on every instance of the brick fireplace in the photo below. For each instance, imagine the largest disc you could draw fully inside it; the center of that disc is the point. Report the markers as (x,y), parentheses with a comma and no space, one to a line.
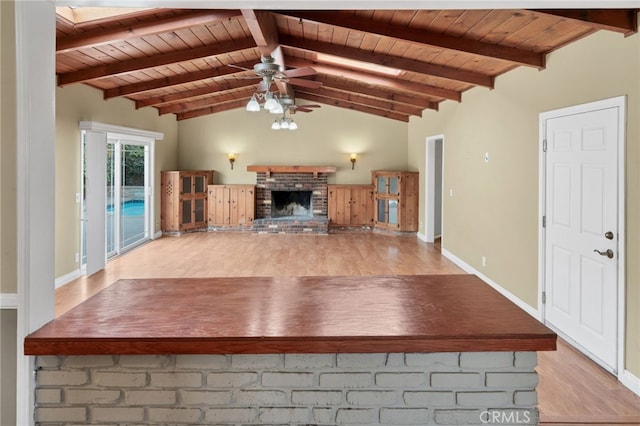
(291,199)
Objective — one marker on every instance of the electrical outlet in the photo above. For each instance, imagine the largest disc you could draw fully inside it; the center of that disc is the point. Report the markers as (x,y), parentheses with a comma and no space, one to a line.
(77,257)
(451,192)
(486,157)
(484,261)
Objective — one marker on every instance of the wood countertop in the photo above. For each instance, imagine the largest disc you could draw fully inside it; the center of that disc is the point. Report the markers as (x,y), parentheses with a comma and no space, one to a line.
(344,314)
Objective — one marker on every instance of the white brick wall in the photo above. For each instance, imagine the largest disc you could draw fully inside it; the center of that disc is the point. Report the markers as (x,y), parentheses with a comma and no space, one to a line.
(291,389)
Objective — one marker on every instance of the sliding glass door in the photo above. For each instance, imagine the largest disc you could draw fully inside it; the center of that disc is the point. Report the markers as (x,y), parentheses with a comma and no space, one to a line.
(127,210)
(125,178)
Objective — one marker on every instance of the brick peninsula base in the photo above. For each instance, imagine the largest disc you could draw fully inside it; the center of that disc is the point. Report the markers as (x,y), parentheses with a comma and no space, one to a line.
(309,354)
(288,389)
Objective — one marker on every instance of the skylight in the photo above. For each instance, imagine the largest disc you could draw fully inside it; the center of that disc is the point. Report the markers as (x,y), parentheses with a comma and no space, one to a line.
(79,15)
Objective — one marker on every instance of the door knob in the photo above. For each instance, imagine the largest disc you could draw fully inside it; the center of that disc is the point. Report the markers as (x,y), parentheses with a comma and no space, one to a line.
(608,235)
(608,253)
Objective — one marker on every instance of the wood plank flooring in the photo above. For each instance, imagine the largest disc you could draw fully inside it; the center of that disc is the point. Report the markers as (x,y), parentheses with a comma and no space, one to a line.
(206,254)
(572,390)
(575,390)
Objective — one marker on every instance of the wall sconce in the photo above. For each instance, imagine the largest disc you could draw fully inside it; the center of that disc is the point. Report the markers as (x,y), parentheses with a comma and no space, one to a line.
(353,161)
(232,159)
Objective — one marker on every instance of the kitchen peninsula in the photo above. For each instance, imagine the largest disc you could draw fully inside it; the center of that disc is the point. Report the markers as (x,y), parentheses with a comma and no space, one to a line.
(431,349)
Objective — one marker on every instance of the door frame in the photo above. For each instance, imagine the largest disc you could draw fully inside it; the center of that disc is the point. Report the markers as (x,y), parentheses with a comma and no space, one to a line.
(103,132)
(616,102)
(430,189)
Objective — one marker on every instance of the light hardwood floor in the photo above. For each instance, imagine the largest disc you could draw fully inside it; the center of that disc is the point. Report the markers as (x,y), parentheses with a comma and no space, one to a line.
(572,389)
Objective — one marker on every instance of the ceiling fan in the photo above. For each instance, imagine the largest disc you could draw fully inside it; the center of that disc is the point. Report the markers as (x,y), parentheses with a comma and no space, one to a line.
(270,71)
(288,102)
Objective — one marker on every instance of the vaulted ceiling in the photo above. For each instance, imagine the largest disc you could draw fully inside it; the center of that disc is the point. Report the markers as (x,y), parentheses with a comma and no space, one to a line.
(389,63)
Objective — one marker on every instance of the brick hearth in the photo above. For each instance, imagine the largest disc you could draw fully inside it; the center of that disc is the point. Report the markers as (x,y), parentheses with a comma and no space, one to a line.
(291,226)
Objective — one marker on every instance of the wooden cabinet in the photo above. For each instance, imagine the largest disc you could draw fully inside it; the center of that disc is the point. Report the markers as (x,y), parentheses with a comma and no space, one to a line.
(396,200)
(231,205)
(183,201)
(350,205)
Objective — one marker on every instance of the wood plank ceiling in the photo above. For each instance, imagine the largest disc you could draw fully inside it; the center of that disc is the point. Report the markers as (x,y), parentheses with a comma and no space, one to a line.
(389,63)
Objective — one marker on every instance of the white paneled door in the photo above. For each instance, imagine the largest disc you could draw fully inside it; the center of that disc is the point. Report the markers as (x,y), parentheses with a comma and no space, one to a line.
(581,244)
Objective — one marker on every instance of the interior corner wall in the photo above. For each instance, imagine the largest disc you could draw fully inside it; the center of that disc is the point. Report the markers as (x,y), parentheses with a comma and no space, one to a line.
(8,212)
(8,216)
(77,103)
(326,137)
(493,211)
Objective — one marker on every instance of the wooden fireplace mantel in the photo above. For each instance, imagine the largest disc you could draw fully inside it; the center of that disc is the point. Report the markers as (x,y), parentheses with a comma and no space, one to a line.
(292,169)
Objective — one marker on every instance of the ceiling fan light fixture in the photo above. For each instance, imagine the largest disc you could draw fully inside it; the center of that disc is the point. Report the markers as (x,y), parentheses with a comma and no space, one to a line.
(284,124)
(253,105)
(270,103)
(292,125)
(277,109)
(275,125)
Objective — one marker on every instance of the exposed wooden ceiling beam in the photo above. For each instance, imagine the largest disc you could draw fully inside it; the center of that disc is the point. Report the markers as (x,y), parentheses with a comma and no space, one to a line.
(376,92)
(104,36)
(175,80)
(154,61)
(214,99)
(263,29)
(363,100)
(226,106)
(221,85)
(262,25)
(430,38)
(352,106)
(623,21)
(389,61)
(416,89)
(63,23)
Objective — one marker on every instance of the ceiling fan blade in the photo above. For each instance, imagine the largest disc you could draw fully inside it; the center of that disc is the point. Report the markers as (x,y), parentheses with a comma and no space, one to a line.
(312,84)
(239,77)
(301,109)
(309,106)
(239,67)
(300,72)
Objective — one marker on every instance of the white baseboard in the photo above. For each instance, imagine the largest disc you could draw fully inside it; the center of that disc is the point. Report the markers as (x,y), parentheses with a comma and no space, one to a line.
(512,297)
(630,381)
(421,236)
(157,235)
(66,279)
(8,301)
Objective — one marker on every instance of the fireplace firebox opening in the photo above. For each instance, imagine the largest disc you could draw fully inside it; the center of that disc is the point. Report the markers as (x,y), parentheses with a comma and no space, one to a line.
(291,203)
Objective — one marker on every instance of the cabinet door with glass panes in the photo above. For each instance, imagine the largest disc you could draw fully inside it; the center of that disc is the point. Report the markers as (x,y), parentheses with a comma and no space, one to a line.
(396,200)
